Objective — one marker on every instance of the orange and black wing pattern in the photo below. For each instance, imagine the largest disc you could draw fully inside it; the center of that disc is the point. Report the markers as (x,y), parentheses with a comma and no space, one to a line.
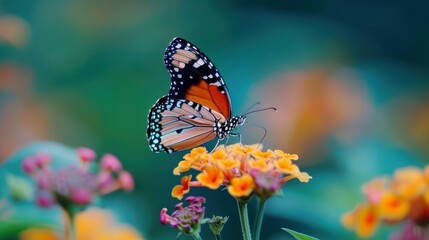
(198,101)
(195,78)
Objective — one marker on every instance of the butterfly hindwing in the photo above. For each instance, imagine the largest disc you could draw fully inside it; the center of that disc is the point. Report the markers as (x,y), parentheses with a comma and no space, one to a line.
(195,78)
(178,124)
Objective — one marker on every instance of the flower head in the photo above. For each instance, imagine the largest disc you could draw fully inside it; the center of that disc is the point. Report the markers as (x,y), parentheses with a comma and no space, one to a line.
(86,154)
(76,184)
(93,223)
(400,198)
(186,219)
(216,224)
(243,170)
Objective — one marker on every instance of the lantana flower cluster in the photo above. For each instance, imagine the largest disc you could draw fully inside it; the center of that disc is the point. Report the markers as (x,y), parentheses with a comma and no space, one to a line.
(402,198)
(76,184)
(186,219)
(243,170)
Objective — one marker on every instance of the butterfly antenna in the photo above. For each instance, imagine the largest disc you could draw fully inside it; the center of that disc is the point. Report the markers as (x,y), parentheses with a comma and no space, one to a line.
(265,132)
(245,112)
(260,110)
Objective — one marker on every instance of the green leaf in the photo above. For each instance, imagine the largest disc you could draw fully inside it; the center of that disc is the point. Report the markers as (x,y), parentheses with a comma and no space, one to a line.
(299,236)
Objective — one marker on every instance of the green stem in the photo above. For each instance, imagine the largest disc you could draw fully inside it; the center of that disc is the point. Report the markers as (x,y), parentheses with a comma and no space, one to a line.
(244,219)
(259,217)
(69,220)
(196,236)
(218,237)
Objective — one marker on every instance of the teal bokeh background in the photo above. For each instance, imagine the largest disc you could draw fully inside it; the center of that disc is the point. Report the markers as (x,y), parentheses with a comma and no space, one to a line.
(349,81)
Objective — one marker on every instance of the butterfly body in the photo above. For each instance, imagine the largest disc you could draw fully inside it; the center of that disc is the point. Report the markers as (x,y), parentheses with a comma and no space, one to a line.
(197,108)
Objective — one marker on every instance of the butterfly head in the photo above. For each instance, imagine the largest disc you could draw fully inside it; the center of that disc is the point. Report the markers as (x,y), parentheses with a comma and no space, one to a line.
(241,120)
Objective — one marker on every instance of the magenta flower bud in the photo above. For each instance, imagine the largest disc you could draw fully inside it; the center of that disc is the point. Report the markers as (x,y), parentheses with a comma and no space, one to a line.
(163,217)
(236,172)
(45,198)
(29,165)
(111,163)
(126,181)
(196,201)
(266,183)
(80,196)
(86,154)
(41,159)
(43,182)
(105,179)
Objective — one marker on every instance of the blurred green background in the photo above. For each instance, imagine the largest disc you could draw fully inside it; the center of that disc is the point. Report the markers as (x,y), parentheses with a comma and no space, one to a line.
(349,79)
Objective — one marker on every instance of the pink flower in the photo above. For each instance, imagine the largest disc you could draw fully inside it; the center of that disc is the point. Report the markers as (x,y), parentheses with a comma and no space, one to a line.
(126,181)
(43,181)
(81,196)
(45,198)
(42,159)
(266,183)
(86,154)
(76,184)
(29,165)
(110,163)
(186,219)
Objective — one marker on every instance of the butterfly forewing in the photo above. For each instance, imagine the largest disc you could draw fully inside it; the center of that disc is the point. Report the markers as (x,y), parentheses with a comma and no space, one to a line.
(178,124)
(195,78)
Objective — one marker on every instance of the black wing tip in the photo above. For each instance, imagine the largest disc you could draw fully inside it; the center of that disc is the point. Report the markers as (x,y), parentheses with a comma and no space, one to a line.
(178,39)
(170,47)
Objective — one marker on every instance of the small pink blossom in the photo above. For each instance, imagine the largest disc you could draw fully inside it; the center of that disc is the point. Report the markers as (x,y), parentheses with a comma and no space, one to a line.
(45,198)
(164,218)
(186,219)
(43,181)
(42,159)
(29,165)
(81,196)
(86,154)
(105,180)
(126,181)
(111,163)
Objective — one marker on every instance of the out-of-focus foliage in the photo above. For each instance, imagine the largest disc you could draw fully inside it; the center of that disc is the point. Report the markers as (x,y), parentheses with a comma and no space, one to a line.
(349,80)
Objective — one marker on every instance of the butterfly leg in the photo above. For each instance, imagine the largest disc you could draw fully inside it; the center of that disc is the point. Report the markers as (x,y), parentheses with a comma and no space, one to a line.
(217,144)
(239,137)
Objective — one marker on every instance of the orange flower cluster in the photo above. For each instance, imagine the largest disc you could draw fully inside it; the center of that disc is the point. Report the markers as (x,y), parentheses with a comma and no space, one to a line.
(242,169)
(93,223)
(403,197)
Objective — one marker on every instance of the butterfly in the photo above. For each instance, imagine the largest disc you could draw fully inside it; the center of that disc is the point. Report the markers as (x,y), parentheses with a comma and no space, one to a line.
(197,108)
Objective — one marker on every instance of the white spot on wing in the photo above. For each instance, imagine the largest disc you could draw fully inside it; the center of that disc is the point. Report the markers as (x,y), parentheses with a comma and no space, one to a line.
(217,83)
(198,63)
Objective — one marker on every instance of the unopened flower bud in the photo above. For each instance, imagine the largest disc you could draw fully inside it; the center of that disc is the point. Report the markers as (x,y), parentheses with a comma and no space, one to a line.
(111,163)
(86,154)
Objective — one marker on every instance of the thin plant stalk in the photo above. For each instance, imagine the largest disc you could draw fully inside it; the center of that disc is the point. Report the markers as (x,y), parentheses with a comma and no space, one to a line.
(218,237)
(259,217)
(196,236)
(244,219)
(69,224)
